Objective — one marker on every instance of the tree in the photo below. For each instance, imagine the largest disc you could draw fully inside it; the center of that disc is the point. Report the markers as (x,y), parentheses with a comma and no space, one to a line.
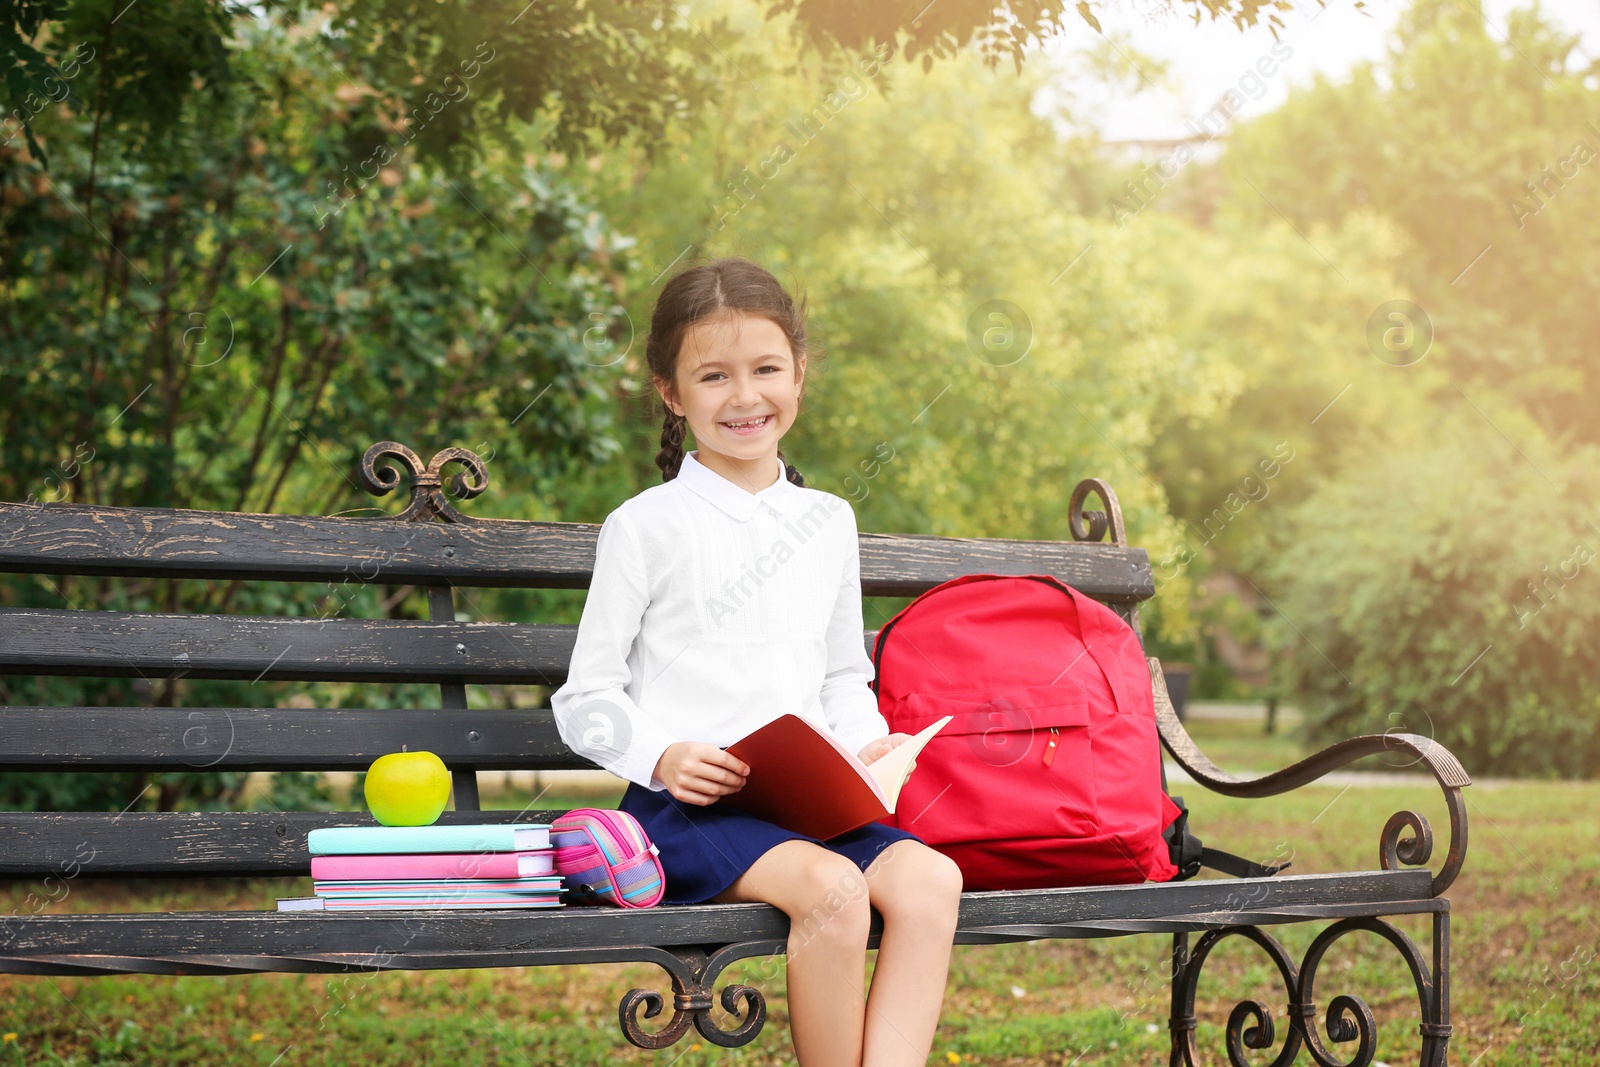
(1406,611)
(1477,141)
(989,343)
(616,68)
(609,71)
(286,284)
(1463,158)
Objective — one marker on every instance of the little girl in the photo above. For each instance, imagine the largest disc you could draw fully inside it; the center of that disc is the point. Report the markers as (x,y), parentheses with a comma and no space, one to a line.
(722,598)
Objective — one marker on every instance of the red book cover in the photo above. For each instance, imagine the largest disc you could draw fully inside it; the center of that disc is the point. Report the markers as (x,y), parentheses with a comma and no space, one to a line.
(803,780)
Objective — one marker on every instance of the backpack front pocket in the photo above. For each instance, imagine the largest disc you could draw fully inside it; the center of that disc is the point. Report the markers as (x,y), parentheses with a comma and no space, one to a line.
(1013,762)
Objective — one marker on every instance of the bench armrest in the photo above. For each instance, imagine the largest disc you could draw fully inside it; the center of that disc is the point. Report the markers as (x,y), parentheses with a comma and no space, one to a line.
(1413,851)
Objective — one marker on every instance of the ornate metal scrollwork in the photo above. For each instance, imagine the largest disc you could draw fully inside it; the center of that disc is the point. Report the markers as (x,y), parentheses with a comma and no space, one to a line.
(1250,1022)
(1100,522)
(693,974)
(427,497)
(1413,851)
(1395,847)
(1348,1018)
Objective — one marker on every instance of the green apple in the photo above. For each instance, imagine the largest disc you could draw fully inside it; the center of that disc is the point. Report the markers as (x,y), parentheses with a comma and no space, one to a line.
(407,788)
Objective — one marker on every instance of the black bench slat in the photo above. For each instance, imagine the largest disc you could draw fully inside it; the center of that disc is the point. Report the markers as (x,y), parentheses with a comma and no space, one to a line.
(1265,916)
(183,543)
(322,963)
(65,642)
(120,644)
(528,937)
(276,739)
(908,565)
(72,844)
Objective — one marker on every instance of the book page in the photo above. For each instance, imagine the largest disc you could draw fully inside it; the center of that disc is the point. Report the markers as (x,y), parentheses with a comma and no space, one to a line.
(891,769)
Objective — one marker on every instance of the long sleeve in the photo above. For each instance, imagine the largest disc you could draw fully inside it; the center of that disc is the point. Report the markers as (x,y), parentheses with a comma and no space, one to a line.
(593,711)
(848,702)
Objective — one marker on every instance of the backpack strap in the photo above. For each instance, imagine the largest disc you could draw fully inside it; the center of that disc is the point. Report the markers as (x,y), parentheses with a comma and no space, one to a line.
(1238,866)
(1189,855)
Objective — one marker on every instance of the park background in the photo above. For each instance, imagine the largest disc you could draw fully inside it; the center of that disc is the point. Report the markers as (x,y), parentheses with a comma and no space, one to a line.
(1331,337)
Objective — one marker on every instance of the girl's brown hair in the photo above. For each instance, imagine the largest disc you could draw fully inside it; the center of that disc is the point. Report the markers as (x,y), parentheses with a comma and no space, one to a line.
(730,285)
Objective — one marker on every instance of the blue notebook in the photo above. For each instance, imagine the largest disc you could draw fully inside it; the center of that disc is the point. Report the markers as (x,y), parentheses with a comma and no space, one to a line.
(467,837)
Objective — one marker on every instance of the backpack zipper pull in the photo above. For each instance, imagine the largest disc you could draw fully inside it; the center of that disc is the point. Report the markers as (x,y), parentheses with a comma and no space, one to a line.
(1050,746)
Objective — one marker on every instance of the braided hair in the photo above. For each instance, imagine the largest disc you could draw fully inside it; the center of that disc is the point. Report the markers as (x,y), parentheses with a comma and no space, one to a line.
(730,284)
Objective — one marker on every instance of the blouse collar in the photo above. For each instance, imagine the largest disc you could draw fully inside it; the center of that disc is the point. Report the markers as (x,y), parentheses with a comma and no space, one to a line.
(782,495)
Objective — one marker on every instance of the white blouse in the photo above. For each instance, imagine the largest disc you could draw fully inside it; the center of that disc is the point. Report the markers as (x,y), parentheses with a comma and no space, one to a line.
(711,612)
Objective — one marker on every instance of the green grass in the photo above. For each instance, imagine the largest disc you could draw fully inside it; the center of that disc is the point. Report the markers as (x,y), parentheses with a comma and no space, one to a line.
(1242,745)
(1525,975)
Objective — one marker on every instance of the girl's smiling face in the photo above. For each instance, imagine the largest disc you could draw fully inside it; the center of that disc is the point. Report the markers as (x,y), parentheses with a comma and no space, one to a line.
(738,384)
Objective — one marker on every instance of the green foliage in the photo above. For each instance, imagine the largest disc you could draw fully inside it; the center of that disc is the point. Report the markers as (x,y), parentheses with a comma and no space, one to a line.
(1452,590)
(607,71)
(236,306)
(228,323)
(171,791)
(992,31)
(28,69)
(1467,139)
(612,70)
(909,415)
(1429,495)
(148,64)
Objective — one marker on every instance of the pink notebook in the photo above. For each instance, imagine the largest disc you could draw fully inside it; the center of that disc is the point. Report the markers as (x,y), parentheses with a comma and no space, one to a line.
(435,865)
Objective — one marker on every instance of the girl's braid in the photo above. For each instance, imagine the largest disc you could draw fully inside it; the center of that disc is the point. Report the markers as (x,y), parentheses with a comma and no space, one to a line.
(670,458)
(790,472)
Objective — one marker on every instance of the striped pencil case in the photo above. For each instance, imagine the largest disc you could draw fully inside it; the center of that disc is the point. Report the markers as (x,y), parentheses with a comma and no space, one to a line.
(605,857)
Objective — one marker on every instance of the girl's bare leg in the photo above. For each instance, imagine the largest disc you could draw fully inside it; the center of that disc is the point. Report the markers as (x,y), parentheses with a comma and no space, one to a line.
(918,893)
(825,897)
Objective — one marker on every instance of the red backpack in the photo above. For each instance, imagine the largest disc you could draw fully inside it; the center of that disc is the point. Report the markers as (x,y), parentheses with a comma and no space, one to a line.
(1049,774)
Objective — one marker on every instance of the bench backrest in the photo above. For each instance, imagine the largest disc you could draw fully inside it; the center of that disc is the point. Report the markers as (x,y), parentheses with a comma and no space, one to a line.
(430,544)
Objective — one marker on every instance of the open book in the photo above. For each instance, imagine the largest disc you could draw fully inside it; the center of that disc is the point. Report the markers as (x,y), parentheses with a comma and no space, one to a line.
(804,780)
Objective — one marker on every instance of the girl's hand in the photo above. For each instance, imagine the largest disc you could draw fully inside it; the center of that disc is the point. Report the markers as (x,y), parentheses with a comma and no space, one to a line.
(697,773)
(882,746)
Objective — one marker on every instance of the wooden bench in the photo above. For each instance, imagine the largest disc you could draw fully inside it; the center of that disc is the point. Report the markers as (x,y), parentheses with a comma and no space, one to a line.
(432,544)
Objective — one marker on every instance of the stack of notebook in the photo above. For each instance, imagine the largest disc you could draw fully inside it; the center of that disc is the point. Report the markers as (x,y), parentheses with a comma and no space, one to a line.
(493,865)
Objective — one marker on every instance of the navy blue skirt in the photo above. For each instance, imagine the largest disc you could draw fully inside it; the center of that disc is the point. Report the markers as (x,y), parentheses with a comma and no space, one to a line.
(705,848)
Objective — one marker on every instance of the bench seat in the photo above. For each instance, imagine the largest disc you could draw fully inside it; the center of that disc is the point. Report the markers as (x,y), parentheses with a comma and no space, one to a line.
(231,942)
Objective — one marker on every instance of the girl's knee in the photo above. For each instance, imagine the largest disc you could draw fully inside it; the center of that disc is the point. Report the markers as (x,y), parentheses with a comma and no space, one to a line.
(946,882)
(940,883)
(920,885)
(830,900)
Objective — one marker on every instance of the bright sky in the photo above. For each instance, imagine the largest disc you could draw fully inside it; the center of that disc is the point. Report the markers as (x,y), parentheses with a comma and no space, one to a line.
(1208,59)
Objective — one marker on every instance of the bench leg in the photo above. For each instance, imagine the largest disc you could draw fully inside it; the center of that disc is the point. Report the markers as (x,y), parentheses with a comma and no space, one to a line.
(1182,1022)
(1347,1019)
(693,974)
(1436,1031)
